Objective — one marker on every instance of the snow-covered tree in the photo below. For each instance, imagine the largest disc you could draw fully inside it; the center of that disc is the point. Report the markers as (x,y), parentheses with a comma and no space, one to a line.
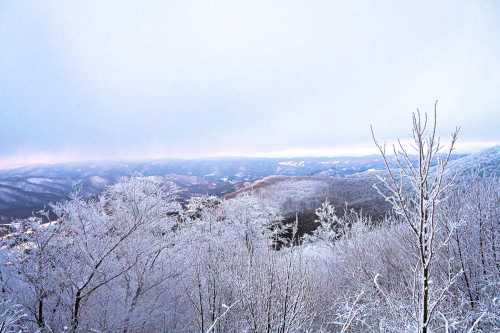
(12,317)
(330,226)
(416,193)
(133,259)
(31,256)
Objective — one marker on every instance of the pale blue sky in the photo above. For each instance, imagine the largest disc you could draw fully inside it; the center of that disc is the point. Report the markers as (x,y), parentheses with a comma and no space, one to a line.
(132,79)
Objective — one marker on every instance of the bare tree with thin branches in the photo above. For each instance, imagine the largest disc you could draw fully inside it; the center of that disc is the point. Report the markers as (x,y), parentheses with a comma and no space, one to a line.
(415,190)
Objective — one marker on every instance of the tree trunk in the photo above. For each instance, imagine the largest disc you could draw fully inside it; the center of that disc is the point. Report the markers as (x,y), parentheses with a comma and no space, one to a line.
(425,299)
(130,311)
(39,317)
(481,240)
(466,277)
(76,311)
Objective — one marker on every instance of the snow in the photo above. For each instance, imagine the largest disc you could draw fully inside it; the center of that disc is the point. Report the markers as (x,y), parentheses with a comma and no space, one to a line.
(37,180)
(295,164)
(7,195)
(98,181)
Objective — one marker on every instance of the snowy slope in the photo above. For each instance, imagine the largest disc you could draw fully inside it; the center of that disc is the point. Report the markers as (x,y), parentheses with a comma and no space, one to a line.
(28,189)
(487,162)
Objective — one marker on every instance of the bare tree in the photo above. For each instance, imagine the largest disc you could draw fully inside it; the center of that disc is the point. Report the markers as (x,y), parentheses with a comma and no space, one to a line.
(12,317)
(111,236)
(135,260)
(415,191)
(31,252)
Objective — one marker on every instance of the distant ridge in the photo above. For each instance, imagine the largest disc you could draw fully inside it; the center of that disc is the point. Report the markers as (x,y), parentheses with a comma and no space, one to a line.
(28,189)
(486,162)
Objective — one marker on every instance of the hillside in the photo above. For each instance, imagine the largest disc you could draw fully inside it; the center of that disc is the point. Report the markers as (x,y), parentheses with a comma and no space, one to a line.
(29,189)
(301,182)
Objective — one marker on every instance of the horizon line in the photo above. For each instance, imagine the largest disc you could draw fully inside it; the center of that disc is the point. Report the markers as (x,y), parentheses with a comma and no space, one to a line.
(34,160)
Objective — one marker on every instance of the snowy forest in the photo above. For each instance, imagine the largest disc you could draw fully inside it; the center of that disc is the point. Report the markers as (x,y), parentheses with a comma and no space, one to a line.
(137,259)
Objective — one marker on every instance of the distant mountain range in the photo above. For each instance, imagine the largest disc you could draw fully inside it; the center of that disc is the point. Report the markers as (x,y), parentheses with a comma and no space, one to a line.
(28,189)
(486,162)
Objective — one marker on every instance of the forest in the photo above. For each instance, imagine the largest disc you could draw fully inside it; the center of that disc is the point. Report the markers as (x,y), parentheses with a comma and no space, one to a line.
(137,259)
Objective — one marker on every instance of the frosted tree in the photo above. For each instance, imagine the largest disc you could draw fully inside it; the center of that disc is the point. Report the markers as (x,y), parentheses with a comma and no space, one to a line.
(31,254)
(12,317)
(329,224)
(206,207)
(206,233)
(472,212)
(254,220)
(117,236)
(332,226)
(416,191)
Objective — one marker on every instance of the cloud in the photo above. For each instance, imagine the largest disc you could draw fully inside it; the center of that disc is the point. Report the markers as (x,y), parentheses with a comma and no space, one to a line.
(185,78)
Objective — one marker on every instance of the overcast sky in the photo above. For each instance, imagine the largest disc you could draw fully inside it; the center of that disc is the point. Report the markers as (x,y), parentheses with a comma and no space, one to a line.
(117,79)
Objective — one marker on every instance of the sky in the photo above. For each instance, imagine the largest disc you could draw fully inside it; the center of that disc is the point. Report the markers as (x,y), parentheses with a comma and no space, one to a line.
(89,79)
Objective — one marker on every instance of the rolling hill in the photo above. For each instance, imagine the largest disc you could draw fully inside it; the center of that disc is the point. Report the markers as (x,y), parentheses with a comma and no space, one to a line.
(299,182)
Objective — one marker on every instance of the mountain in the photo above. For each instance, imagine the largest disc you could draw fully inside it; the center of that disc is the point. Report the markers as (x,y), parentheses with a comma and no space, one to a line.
(486,162)
(28,189)
(304,194)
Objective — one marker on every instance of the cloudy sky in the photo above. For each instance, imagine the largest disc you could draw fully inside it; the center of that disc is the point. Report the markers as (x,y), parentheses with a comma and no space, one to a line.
(117,79)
